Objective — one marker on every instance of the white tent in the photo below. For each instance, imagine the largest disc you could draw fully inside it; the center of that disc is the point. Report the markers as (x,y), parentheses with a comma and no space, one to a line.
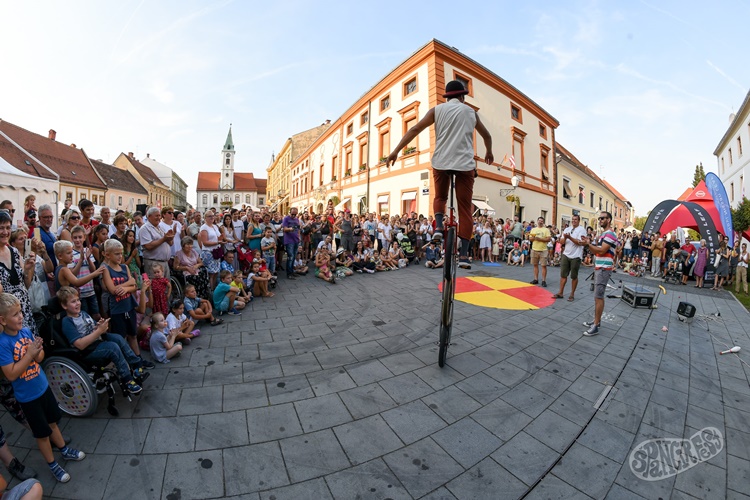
(247,206)
(16,185)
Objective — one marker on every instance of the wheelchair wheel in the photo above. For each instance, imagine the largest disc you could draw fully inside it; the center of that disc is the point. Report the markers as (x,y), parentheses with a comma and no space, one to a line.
(177,288)
(72,387)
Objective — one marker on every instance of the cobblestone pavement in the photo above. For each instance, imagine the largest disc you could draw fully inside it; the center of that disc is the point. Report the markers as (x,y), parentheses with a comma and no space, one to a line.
(333,391)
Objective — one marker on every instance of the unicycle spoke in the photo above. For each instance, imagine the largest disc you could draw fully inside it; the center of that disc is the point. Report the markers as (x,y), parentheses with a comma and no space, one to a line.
(449,288)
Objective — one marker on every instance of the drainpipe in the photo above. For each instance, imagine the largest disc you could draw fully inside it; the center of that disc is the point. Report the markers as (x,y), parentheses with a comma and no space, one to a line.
(369,149)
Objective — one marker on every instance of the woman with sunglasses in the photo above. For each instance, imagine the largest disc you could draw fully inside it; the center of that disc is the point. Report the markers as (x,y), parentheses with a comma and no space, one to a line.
(16,275)
(72,219)
(227,229)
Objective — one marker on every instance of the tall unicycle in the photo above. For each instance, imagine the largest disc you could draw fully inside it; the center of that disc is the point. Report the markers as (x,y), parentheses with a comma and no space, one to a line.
(450,262)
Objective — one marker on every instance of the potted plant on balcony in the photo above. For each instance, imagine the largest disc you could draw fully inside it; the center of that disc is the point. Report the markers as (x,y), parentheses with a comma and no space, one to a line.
(333,179)
(408,151)
(362,167)
(382,159)
(348,173)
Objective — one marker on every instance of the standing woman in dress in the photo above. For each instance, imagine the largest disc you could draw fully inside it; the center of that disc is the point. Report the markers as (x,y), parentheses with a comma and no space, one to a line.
(485,240)
(16,275)
(701,259)
(210,238)
(253,233)
(722,269)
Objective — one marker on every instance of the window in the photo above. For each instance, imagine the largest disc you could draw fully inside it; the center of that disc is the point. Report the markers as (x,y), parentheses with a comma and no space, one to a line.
(95,199)
(581,196)
(226,174)
(518,153)
(730,157)
(83,196)
(739,147)
(567,193)
(515,113)
(384,139)
(69,195)
(216,199)
(364,118)
(409,123)
(465,81)
(544,215)
(592,199)
(731,191)
(205,200)
(410,86)
(606,206)
(236,199)
(544,160)
(722,164)
(349,129)
(334,167)
(385,103)
(261,200)
(348,159)
(363,152)
(119,201)
(542,131)
(227,161)
(600,203)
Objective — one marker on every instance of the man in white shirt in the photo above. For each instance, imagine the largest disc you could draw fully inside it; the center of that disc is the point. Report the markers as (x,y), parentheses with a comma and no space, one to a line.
(238,225)
(570,261)
(156,243)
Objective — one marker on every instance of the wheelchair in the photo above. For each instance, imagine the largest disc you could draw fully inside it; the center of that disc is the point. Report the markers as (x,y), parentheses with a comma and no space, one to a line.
(76,383)
(177,280)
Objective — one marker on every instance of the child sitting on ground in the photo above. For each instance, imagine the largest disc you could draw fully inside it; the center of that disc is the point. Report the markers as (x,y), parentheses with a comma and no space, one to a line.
(163,345)
(433,256)
(225,295)
(177,320)
(238,281)
(198,308)
(20,355)
(95,344)
(258,283)
(300,264)
(323,266)
(161,290)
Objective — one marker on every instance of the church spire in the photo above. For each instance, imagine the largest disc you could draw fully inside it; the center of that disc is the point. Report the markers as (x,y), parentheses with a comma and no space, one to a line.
(229,145)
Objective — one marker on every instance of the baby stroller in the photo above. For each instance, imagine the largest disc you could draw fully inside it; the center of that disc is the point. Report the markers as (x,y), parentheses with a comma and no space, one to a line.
(674,271)
(245,257)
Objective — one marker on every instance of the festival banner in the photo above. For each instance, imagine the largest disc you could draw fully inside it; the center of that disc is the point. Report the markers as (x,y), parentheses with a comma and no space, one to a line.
(659,214)
(721,201)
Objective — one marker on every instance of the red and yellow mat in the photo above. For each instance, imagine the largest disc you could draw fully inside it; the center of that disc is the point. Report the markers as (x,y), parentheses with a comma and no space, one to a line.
(500,293)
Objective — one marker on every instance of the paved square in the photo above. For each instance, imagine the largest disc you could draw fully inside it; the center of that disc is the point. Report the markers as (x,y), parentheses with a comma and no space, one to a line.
(345,400)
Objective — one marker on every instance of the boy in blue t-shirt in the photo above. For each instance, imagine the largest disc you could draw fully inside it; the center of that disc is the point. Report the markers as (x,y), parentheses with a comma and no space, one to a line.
(95,344)
(224,295)
(20,356)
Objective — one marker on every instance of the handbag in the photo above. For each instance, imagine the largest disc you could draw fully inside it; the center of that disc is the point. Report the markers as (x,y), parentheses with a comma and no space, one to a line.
(218,253)
(37,295)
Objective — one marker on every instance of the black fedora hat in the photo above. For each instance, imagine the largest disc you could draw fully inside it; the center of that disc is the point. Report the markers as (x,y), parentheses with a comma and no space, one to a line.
(454,88)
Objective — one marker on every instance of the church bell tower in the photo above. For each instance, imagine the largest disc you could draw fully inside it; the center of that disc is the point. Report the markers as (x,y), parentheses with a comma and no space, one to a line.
(227,163)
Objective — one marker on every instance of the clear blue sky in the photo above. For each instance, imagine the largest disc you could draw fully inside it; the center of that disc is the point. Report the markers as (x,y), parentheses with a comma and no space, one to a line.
(642,90)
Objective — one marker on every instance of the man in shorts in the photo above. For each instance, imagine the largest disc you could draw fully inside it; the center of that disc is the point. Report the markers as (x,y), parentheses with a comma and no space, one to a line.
(454,153)
(570,262)
(539,237)
(604,263)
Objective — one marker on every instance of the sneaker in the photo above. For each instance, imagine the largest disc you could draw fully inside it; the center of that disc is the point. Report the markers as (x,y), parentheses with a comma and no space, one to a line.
(593,330)
(69,453)
(437,236)
(534,282)
(370,271)
(147,364)
(20,471)
(139,372)
(132,388)
(359,271)
(589,323)
(59,472)
(234,312)
(464,263)
(544,284)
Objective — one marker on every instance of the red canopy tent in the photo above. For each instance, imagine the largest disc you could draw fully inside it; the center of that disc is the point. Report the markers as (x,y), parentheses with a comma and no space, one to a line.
(682,217)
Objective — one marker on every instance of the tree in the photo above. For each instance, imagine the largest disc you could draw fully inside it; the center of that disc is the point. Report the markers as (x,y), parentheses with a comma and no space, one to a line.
(699,174)
(640,222)
(741,216)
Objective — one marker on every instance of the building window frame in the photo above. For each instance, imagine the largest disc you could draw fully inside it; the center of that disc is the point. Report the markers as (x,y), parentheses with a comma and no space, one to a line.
(348,158)
(731,191)
(518,136)
(364,118)
(731,159)
(542,130)
(409,113)
(739,146)
(384,129)
(566,183)
(384,104)
(516,110)
(544,161)
(363,150)
(405,87)
(350,128)
(581,194)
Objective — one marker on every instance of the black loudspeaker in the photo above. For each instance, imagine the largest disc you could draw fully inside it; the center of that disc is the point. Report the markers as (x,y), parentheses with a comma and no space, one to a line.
(685,311)
(141,207)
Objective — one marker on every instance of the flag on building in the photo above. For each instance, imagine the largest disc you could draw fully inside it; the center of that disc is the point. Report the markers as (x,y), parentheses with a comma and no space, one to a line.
(512,163)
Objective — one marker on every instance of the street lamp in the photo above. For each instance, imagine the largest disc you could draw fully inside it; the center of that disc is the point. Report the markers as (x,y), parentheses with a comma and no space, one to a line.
(514,183)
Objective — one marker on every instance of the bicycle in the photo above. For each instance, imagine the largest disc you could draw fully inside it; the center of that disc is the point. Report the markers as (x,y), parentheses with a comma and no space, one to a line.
(450,262)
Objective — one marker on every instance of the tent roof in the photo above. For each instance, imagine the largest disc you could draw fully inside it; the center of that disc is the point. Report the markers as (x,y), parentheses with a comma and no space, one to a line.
(700,193)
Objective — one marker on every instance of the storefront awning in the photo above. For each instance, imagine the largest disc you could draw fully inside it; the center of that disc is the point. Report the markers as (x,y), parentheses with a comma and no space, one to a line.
(566,189)
(341,205)
(411,195)
(482,205)
(383,198)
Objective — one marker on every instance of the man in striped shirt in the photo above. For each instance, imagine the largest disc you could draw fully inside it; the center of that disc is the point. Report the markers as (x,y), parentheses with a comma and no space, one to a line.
(604,263)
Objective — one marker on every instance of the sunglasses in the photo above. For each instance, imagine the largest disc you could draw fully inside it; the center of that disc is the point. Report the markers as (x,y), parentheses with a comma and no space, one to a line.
(603,218)
(170,213)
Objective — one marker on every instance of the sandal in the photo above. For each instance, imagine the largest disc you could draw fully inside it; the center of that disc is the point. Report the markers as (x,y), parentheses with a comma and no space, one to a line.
(557,296)
(269,294)
(571,298)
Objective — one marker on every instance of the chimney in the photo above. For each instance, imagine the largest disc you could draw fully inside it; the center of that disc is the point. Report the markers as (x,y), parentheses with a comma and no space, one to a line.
(328,122)
(130,154)
(148,155)
(52,134)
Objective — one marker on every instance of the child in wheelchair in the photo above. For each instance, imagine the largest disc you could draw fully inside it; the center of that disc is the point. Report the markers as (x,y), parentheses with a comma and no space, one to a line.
(97,345)
(674,267)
